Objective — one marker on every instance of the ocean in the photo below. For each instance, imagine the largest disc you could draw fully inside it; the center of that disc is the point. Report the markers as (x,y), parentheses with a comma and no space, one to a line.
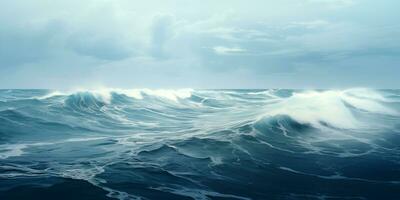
(200,144)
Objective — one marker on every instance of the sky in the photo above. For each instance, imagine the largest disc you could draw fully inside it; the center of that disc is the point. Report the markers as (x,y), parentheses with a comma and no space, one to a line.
(199,44)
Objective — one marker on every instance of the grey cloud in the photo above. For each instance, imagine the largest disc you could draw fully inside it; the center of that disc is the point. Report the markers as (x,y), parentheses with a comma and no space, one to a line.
(161,32)
(21,45)
(113,41)
(99,47)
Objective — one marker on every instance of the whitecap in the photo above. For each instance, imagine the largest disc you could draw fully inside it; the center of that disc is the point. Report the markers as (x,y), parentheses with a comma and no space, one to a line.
(11,150)
(331,107)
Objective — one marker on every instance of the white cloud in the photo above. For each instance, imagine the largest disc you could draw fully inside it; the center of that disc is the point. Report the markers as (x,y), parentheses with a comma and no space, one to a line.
(334,3)
(309,24)
(221,50)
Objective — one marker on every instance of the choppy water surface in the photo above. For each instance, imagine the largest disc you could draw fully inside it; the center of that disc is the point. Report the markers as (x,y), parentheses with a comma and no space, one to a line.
(200,144)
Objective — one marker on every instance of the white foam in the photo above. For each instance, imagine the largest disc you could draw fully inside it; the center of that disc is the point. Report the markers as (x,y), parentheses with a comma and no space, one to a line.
(52,94)
(173,95)
(367,100)
(314,107)
(15,150)
(366,94)
(134,93)
(11,150)
(197,193)
(85,139)
(80,173)
(105,94)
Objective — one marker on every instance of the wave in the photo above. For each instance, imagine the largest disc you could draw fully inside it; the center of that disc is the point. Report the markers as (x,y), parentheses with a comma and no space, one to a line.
(105,94)
(343,109)
(144,110)
(187,143)
(334,108)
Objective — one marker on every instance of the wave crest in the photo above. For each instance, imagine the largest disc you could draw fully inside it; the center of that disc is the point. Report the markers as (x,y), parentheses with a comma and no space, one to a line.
(335,108)
(105,94)
(331,107)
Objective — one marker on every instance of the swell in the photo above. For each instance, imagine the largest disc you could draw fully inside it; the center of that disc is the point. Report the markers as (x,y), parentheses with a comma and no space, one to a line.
(193,143)
(124,109)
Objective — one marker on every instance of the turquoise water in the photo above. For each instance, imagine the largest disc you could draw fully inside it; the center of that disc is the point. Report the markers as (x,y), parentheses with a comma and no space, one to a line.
(200,144)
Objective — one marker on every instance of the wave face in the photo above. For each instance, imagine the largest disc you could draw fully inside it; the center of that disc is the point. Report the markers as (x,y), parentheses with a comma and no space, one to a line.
(200,144)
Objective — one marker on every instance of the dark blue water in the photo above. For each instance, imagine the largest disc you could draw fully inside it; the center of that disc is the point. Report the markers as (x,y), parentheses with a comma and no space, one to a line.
(200,144)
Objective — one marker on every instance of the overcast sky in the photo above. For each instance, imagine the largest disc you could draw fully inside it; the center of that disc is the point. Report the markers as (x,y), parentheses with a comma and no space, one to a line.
(199,44)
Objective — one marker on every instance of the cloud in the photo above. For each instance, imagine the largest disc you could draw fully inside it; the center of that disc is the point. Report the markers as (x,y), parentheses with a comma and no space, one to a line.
(20,45)
(309,24)
(136,43)
(161,32)
(98,47)
(221,50)
(334,3)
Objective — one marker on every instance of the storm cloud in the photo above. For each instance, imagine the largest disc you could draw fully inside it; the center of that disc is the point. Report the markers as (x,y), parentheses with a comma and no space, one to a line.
(199,44)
